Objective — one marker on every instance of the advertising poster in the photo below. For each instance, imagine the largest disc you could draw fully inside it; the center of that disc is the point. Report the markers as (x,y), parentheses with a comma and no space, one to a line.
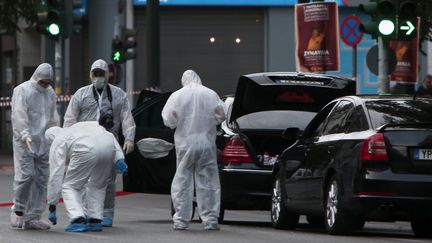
(406,70)
(317,45)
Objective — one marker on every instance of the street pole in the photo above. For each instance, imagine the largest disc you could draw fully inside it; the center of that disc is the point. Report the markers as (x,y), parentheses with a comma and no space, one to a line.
(354,63)
(129,63)
(153,52)
(58,72)
(383,79)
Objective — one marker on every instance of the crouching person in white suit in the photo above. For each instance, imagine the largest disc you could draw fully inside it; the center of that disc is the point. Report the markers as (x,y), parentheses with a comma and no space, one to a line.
(79,158)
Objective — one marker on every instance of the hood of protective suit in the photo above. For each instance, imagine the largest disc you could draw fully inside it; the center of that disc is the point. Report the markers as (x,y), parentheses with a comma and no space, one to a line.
(190,77)
(43,71)
(99,64)
(52,133)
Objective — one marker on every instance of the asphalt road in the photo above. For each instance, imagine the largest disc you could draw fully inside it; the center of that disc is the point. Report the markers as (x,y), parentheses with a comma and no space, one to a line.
(146,218)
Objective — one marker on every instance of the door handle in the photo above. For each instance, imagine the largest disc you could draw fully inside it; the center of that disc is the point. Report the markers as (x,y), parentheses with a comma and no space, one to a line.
(306,152)
(330,150)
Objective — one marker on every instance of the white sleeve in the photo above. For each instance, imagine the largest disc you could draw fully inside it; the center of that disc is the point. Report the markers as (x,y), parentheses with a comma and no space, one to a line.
(127,120)
(57,161)
(220,111)
(73,110)
(119,152)
(169,114)
(19,117)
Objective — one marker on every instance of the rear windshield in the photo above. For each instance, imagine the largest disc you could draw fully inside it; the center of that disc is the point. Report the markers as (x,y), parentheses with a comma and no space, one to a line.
(275,120)
(399,111)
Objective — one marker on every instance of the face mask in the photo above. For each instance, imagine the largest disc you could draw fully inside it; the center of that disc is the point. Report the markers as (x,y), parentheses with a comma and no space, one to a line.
(41,88)
(98,82)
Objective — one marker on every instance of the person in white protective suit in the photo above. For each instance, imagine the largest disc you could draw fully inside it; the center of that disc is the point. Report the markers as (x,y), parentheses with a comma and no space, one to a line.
(80,158)
(33,112)
(195,111)
(87,104)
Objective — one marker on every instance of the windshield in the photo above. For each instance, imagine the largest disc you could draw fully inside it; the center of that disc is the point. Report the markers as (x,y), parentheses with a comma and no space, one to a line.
(399,111)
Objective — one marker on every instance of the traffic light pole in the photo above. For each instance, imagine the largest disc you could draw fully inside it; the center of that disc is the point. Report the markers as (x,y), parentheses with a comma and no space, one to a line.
(383,79)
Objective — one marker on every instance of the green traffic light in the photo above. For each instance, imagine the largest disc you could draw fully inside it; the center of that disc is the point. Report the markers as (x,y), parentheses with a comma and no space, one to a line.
(386,27)
(116,56)
(408,27)
(53,29)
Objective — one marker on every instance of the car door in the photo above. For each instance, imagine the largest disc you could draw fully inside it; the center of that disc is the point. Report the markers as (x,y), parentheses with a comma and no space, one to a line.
(295,160)
(322,150)
(146,174)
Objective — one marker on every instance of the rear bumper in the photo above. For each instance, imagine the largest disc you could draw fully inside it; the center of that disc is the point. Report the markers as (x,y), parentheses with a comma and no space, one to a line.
(245,189)
(389,196)
(389,208)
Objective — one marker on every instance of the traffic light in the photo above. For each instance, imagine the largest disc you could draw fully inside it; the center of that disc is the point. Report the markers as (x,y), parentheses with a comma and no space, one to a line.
(407,19)
(117,51)
(391,19)
(73,17)
(129,43)
(383,18)
(123,49)
(49,18)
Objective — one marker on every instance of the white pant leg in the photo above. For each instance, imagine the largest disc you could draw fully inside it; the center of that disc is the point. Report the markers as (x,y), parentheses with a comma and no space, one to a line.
(77,175)
(38,197)
(109,203)
(207,187)
(182,188)
(97,185)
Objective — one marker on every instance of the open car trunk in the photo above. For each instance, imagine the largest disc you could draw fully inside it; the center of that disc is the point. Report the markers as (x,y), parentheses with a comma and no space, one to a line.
(265,104)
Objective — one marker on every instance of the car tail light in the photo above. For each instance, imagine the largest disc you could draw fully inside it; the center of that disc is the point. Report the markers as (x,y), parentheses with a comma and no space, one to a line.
(235,151)
(374,148)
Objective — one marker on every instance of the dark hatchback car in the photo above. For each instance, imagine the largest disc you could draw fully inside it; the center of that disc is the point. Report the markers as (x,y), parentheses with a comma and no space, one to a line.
(251,138)
(361,158)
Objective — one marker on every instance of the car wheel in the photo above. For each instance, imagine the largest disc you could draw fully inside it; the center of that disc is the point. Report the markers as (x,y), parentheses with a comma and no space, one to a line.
(422,227)
(281,218)
(337,220)
(315,221)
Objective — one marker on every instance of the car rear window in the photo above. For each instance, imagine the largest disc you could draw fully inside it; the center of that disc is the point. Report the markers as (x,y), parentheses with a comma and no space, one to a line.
(399,111)
(275,119)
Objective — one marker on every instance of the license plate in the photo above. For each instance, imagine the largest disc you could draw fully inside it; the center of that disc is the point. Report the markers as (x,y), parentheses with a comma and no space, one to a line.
(423,154)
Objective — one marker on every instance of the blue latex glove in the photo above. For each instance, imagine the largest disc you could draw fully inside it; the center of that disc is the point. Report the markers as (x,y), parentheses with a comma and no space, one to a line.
(122,167)
(52,216)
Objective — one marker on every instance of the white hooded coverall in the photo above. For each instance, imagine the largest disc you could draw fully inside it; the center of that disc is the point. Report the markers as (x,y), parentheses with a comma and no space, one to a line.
(195,111)
(85,151)
(83,107)
(33,112)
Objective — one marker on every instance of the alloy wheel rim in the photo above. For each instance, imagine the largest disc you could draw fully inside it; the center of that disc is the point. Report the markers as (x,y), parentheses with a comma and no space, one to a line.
(332,202)
(276,201)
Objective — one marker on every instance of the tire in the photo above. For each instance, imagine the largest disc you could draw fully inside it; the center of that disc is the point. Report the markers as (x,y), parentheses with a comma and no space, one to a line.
(337,220)
(422,228)
(281,218)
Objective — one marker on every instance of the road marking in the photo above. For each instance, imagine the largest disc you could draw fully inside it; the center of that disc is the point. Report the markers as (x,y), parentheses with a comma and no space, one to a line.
(118,194)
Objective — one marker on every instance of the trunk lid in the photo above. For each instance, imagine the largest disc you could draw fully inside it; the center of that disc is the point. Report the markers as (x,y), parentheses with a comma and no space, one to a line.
(287,91)
(409,147)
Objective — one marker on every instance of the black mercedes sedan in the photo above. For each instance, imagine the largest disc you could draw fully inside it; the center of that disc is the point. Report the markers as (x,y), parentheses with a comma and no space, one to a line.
(361,158)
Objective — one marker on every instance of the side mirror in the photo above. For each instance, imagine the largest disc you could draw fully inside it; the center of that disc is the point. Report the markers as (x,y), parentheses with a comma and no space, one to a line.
(291,133)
